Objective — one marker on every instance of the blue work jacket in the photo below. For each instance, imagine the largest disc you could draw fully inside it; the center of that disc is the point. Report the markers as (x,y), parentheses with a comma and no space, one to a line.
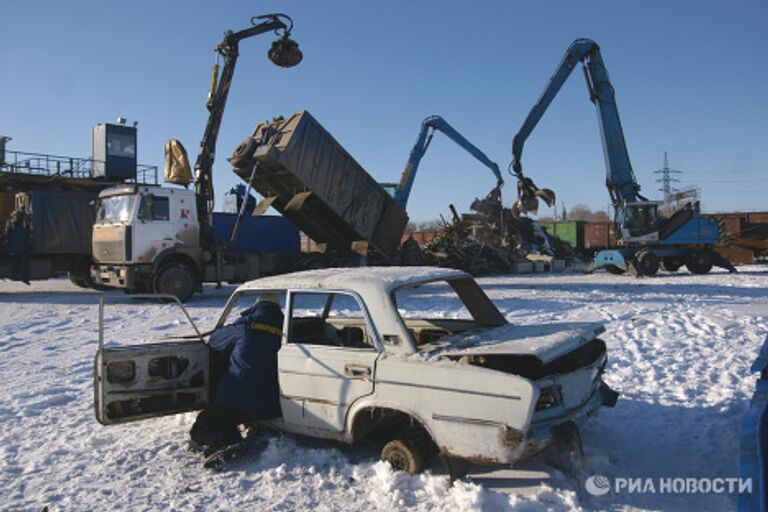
(250,383)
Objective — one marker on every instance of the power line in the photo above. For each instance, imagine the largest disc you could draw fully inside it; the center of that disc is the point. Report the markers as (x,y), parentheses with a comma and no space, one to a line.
(734,171)
(740,180)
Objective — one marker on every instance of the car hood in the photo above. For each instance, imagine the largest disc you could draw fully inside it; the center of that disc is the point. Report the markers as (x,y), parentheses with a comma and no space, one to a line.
(545,342)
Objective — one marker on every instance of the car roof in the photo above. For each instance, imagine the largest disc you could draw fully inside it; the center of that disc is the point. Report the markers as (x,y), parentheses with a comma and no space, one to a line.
(358,279)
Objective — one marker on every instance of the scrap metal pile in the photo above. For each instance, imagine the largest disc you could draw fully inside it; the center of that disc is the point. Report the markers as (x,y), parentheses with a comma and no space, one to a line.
(491,240)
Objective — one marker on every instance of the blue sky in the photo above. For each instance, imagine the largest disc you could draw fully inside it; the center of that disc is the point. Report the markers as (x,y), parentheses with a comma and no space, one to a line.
(690,78)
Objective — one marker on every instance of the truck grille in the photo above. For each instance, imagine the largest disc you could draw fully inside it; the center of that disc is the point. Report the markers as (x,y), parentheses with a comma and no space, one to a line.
(109,252)
(109,245)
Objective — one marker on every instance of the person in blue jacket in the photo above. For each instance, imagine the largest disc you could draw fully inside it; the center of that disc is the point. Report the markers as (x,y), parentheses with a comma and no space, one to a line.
(16,243)
(244,375)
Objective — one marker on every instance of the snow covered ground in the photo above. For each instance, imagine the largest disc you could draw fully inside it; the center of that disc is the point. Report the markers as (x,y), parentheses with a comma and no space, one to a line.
(680,347)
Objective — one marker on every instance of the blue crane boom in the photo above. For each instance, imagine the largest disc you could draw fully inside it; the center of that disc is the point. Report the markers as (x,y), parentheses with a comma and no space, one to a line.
(428,128)
(620,178)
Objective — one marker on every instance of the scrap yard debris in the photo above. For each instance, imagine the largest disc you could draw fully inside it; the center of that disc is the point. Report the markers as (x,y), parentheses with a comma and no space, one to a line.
(491,240)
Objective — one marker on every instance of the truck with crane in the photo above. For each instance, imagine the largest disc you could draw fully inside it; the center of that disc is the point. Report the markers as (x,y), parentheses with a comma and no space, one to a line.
(647,241)
(168,240)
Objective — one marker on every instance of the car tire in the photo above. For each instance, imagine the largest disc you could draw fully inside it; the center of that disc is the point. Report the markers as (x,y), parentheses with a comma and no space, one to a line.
(177,280)
(700,261)
(242,156)
(404,455)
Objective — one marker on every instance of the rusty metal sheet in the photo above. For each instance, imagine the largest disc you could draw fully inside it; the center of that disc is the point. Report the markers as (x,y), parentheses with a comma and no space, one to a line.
(599,235)
(737,255)
(319,186)
(758,218)
(733,224)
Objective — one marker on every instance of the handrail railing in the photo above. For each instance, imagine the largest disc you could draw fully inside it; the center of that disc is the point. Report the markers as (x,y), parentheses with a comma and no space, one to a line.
(40,164)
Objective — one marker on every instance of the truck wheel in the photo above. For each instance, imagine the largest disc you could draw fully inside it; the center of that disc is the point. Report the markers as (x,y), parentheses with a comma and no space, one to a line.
(177,280)
(700,261)
(647,263)
(403,455)
(242,156)
(83,280)
(78,280)
(671,264)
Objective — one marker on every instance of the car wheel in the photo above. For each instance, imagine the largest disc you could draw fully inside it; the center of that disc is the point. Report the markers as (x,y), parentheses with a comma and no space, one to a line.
(700,261)
(177,280)
(403,455)
(671,264)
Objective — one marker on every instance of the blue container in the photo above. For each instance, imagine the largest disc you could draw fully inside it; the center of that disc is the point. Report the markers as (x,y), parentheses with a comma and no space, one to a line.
(265,233)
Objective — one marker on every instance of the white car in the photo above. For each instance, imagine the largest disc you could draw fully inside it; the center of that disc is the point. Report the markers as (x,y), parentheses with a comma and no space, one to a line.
(363,357)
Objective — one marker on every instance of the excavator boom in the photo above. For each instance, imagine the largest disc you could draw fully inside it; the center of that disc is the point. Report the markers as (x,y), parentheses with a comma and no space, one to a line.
(620,178)
(428,128)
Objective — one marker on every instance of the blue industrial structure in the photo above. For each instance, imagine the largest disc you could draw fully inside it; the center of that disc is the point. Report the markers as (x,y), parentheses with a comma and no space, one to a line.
(114,151)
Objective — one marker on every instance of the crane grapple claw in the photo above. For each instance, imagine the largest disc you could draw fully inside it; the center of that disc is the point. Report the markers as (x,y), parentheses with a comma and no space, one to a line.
(528,195)
(546,195)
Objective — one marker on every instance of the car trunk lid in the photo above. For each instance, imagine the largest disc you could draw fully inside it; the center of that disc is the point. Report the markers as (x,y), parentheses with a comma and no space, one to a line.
(544,342)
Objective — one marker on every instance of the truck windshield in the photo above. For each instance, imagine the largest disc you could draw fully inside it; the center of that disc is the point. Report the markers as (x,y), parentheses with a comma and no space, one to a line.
(115,209)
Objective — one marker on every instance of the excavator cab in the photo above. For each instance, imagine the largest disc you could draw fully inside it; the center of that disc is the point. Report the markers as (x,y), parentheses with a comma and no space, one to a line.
(638,221)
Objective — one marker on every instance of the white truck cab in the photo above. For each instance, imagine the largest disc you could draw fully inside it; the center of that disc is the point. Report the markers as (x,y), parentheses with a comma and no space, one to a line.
(140,229)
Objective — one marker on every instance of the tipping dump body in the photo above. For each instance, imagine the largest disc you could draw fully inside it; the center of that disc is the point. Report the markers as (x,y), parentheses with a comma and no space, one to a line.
(314,182)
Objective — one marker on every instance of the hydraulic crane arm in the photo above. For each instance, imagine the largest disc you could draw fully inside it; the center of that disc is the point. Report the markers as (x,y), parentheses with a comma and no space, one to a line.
(428,128)
(284,53)
(620,178)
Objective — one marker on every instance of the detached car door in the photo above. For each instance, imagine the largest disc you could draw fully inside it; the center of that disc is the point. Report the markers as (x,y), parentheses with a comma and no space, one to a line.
(133,383)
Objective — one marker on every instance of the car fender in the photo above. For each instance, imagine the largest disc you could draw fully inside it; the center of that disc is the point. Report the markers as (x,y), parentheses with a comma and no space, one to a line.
(470,412)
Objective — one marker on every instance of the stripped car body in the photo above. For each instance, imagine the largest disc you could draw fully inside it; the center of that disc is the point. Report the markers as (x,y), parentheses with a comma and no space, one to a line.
(482,389)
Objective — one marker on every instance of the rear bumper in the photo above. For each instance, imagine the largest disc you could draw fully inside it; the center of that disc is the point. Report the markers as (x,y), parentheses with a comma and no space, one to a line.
(544,432)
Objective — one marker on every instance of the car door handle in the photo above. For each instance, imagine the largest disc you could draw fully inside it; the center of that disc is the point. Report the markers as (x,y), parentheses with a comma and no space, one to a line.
(357,371)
